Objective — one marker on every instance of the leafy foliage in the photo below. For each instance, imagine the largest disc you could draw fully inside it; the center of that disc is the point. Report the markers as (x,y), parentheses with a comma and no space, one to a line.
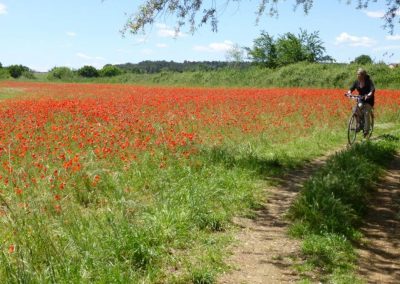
(61,73)
(264,51)
(287,49)
(235,55)
(88,71)
(195,13)
(110,71)
(4,74)
(16,71)
(363,59)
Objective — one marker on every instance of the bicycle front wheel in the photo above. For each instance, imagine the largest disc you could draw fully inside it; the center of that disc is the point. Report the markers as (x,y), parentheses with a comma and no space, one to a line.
(352,129)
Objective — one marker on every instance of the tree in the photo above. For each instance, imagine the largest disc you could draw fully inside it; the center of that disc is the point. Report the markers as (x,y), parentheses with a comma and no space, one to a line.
(187,12)
(88,72)
(264,51)
(313,47)
(1,65)
(290,50)
(363,59)
(287,49)
(235,55)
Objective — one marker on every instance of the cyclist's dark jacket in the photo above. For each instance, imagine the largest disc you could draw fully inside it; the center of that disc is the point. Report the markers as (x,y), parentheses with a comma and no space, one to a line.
(368,88)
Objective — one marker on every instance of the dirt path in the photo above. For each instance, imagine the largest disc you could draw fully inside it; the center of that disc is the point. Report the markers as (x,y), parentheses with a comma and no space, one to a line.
(263,252)
(379,260)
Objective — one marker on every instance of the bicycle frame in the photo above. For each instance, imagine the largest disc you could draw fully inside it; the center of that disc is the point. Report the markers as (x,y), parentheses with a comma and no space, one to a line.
(359,105)
(356,121)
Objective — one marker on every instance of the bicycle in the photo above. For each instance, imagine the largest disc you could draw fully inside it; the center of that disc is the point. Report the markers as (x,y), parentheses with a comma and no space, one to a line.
(356,121)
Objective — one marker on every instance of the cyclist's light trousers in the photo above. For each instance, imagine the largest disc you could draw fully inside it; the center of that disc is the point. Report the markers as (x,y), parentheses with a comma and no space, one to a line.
(367,117)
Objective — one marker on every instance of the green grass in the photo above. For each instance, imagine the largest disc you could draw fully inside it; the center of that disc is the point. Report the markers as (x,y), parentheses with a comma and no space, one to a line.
(331,206)
(8,93)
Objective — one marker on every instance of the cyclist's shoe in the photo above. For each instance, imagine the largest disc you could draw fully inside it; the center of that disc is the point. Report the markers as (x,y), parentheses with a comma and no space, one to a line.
(358,128)
(366,134)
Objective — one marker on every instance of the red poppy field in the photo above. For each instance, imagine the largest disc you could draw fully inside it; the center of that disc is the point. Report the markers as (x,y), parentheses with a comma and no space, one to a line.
(111,183)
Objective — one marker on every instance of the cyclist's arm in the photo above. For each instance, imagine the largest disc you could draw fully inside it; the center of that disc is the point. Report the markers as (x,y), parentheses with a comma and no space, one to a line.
(371,89)
(352,88)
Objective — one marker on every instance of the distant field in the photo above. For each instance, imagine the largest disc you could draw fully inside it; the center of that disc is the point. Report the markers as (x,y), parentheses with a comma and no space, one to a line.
(107,183)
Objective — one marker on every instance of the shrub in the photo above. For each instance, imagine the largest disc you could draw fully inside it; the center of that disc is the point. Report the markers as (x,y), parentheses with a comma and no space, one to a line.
(4,73)
(88,72)
(16,71)
(110,71)
(28,75)
(60,73)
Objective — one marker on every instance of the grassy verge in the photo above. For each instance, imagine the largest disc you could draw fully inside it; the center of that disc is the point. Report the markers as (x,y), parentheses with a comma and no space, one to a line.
(311,75)
(331,206)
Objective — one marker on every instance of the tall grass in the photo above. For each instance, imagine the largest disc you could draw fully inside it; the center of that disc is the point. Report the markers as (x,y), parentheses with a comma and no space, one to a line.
(143,223)
(296,75)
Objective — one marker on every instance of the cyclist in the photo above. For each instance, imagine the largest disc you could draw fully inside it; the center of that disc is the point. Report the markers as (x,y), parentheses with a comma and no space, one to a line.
(366,90)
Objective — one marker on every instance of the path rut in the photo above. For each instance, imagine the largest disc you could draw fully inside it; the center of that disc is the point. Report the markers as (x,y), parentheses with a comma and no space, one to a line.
(263,252)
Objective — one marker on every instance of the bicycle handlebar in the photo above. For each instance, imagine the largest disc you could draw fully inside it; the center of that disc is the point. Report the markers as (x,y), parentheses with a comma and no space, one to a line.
(358,98)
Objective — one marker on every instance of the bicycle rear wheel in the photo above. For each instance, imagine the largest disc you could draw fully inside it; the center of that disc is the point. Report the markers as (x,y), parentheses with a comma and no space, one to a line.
(352,129)
(371,125)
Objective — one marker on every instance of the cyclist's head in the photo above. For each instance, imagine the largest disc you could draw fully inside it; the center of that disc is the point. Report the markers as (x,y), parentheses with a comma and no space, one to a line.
(361,73)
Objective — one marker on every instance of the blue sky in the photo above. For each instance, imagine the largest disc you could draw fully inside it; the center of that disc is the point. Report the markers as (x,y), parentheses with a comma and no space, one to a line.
(42,34)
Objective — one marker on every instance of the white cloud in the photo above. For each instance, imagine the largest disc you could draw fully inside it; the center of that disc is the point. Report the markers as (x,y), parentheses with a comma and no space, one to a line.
(375,14)
(146,51)
(82,55)
(393,37)
(379,13)
(387,48)
(88,57)
(215,47)
(165,31)
(161,45)
(355,41)
(3,9)
(71,34)
(141,40)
